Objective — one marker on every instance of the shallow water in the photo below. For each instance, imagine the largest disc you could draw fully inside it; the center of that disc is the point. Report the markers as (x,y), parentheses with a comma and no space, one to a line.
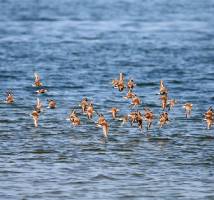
(78,48)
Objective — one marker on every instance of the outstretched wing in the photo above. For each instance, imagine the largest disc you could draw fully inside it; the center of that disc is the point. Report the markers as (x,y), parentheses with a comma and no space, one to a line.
(37,77)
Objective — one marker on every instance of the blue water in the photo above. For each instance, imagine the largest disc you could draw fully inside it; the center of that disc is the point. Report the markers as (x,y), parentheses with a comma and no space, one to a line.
(78,47)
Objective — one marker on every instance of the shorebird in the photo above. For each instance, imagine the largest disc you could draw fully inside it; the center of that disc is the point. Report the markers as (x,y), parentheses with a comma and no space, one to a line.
(115,83)
(121,86)
(172,103)
(103,123)
(38,106)
(9,97)
(90,111)
(209,117)
(119,83)
(129,95)
(132,117)
(135,101)
(136,117)
(188,109)
(164,119)
(37,82)
(51,104)
(101,119)
(163,89)
(124,119)
(164,100)
(105,127)
(139,119)
(41,91)
(74,119)
(149,116)
(131,84)
(84,104)
(114,112)
(35,116)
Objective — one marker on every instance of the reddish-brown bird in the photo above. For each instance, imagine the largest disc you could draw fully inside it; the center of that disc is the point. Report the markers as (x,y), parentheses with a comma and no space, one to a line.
(188,109)
(119,83)
(172,103)
(129,95)
(38,106)
(135,101)
(35,116)
(163,89)
(149,116)
(37,81)
(51,104)
(9,97)
(103,123)
(41,91)
(139,119)
(164,100)
(74,119)
(114,112)
(90,111)
(132,117)
(131,84)
(84,104)
(164,119)
(209,117)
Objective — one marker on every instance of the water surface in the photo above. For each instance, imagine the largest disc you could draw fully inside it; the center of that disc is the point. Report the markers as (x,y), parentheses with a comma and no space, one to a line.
(78,47)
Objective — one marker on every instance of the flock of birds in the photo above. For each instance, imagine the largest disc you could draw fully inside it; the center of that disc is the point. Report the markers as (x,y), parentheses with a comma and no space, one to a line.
(134,117)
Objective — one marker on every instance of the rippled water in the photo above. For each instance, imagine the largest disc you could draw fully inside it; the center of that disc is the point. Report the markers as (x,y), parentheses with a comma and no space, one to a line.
(78,47)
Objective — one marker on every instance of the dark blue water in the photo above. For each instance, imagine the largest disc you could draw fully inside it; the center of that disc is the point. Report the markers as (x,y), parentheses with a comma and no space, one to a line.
(78,47)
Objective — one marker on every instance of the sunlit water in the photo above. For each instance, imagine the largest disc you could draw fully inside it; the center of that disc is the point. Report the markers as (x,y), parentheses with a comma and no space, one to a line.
(78,47)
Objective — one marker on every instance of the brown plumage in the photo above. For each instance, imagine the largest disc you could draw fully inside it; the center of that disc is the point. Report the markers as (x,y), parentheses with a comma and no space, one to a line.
(51,104)
(105,127)
(9,97)
(41,91)
(139,119)
(209,117)
(103,123)
(84,104)
(135,101)
(188,109)
(132,118)
(164,119)
(164,100)
(129,95)
(149,116)
(38,106)
(136,117)
(163,89)
(114,112)
(121,86)
(90,111)
(35,116)
(74,119)
(172,103)
(115,83)
(131,84)
(37,81)
(119,83)
(101,119)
